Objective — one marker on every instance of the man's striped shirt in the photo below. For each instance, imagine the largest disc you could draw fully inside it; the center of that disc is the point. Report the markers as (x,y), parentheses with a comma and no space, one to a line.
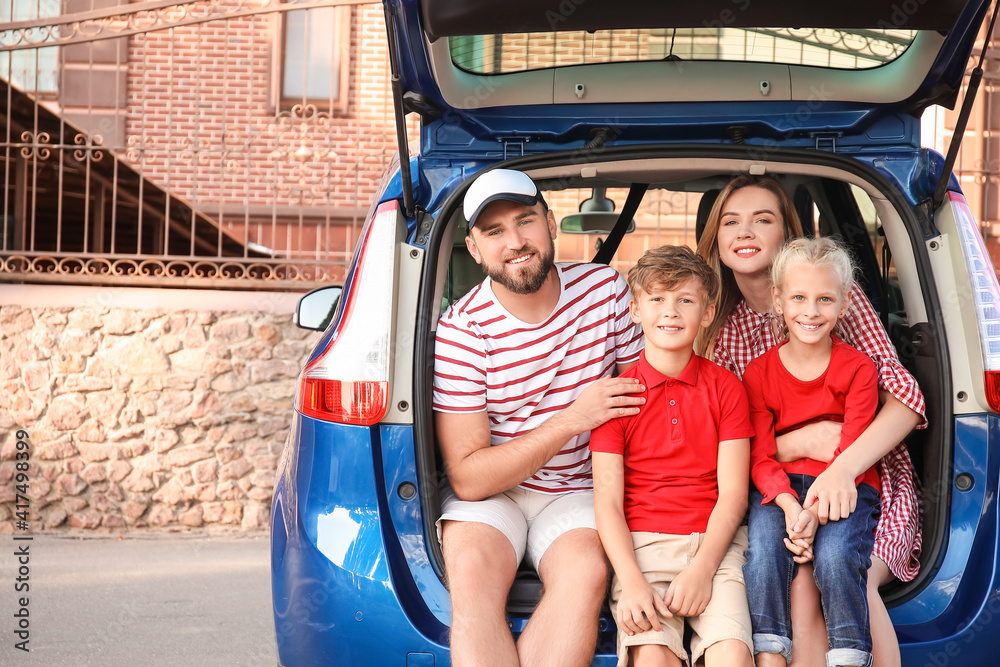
(521,374)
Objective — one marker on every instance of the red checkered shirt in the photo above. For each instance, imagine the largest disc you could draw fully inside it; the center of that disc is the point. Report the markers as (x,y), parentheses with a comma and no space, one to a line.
(748,334)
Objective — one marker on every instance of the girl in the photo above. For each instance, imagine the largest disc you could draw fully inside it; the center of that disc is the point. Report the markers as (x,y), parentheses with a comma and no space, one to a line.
(752,217)
(811,375)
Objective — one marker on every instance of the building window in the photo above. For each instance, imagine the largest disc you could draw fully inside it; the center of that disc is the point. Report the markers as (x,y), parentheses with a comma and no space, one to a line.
(315,58)
(31,70)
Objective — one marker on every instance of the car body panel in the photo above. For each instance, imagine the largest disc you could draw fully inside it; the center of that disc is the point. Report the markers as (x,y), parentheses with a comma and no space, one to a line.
(958,315)
(920,618)
(477,111)
(951,619)
(812,122)
(399,466)
(341,578)
(333,569)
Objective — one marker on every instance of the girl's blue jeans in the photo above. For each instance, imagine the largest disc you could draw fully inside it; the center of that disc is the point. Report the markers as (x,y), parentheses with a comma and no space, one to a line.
(842,555)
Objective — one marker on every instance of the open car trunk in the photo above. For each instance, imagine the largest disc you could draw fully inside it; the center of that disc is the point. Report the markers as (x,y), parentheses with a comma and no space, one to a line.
(833,195)
(499,80)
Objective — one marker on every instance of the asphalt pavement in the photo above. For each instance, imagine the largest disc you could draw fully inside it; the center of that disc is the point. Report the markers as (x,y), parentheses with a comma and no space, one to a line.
(149,600)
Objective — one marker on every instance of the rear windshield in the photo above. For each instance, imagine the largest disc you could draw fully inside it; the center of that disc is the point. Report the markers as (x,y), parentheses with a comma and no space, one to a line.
(820,47)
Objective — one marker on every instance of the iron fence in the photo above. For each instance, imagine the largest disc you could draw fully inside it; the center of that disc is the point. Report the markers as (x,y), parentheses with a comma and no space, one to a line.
(212,143)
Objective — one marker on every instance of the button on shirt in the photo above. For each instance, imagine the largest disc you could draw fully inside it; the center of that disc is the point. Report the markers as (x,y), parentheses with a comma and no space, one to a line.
(671,448)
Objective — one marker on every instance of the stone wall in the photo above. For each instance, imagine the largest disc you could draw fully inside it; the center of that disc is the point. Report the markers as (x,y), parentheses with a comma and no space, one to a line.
(146,412)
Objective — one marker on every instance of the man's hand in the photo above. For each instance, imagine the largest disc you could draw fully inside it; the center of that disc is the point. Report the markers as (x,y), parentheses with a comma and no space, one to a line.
(833,495)
(690,592)
(637,608)
(817,441)
(602,400)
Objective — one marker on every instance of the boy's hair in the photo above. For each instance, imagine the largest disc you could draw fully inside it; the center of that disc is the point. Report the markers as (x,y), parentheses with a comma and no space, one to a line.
(667,267)
(822,251)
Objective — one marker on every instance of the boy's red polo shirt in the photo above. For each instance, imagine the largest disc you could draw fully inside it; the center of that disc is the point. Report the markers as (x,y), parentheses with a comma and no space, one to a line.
(671,448)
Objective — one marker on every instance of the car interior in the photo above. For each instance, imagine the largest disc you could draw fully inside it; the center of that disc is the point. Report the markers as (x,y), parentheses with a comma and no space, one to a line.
(864,213)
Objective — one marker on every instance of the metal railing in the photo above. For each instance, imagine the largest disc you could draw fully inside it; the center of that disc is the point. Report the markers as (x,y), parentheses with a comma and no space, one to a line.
(167,155)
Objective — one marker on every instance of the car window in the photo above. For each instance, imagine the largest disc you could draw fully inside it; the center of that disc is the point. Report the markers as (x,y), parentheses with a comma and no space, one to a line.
(819,47)
(665,217)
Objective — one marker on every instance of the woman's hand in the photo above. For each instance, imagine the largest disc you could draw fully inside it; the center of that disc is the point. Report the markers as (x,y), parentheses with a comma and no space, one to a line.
(834,493)
(817,441)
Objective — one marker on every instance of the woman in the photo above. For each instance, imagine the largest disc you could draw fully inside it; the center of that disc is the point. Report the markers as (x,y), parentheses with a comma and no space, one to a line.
(750,221)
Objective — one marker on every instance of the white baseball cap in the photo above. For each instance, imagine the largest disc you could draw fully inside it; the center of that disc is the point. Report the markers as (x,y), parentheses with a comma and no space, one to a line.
(495,185)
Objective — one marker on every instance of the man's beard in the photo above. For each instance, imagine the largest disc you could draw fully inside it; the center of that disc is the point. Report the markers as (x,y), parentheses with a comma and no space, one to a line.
(523,282)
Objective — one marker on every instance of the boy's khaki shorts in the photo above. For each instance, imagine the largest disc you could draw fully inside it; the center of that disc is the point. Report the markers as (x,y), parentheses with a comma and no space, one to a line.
(661,558)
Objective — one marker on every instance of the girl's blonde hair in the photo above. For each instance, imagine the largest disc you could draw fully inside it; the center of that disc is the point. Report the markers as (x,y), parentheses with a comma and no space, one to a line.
(708,247)
(819,252)
(815,252)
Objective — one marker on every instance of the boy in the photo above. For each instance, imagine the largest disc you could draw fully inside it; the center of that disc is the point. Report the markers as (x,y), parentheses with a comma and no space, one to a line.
(671,483)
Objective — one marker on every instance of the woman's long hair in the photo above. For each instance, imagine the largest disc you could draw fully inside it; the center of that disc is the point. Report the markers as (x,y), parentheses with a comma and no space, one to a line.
(708,247)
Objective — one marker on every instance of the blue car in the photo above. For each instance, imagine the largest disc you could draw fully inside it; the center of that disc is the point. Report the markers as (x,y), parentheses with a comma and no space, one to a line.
(661,103)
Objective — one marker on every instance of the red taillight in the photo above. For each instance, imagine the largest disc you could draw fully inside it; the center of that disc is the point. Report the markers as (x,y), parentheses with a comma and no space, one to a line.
(985,295)
(349,381)
(357,402)
(993,389)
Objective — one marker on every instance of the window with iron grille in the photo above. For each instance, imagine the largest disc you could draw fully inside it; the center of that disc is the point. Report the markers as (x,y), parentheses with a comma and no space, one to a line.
(315,53)
(34,70)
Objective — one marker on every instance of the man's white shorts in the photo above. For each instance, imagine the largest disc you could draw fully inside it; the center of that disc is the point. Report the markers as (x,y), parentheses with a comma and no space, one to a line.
(531,520)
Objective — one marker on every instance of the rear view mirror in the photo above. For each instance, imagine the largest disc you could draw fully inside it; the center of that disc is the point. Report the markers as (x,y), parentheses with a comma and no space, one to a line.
(316,309)
(597,216)
(591,223)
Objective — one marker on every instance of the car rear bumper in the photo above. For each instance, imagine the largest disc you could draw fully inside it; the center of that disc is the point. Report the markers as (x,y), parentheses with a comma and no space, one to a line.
(335,596)
(955,617)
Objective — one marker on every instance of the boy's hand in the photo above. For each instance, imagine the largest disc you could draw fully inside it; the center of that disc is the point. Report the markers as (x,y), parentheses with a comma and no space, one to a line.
(637,609)
(690,592)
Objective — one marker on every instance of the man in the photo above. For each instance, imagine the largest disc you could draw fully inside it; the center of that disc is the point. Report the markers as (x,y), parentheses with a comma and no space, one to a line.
(522,373)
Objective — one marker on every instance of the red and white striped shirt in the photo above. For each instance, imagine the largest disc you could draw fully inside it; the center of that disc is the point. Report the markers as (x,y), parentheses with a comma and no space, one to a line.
(748,334)
(521,374)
